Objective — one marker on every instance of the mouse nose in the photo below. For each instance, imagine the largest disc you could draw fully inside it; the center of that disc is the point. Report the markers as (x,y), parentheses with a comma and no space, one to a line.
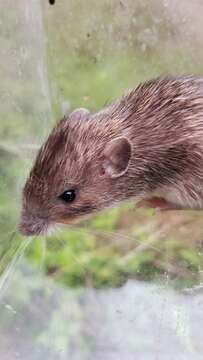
(30,226)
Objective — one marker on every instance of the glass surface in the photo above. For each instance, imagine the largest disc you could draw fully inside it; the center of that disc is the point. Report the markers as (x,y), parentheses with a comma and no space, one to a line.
(128,283)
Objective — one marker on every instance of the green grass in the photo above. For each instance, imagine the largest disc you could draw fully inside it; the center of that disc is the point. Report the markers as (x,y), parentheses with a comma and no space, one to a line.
(106,253)
(87,83)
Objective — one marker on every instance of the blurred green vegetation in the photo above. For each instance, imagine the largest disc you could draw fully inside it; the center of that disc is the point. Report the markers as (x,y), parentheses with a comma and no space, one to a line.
(93,57)
(120,244)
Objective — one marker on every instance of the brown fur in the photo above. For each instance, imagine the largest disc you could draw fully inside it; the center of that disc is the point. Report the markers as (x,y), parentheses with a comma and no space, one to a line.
(162,120)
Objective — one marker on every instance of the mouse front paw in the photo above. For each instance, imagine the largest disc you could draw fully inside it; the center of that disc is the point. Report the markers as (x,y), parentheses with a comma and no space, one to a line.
(156,203)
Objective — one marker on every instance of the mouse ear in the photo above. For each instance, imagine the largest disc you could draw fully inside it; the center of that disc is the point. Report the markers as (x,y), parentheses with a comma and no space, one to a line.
(117,155)
(80,114)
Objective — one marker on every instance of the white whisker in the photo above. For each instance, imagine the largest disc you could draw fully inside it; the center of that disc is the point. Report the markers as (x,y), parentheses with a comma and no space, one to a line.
(12,266)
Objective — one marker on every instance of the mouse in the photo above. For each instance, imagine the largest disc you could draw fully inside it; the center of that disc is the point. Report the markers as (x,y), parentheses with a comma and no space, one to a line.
(145,147)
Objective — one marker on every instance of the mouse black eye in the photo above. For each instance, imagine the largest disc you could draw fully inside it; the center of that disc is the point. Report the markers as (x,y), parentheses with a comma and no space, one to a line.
(68,196)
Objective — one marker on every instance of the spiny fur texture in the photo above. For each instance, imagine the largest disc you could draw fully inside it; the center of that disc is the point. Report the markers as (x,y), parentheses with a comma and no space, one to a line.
(162,120)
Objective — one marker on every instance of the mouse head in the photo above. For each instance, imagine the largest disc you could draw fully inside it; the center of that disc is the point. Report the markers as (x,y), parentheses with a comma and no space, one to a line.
(78,171)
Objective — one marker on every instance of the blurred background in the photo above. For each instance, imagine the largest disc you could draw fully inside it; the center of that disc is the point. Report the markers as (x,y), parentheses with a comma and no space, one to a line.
(128,283)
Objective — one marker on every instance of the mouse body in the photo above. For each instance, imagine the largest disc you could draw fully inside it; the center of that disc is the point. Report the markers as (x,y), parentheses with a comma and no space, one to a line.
(146,147)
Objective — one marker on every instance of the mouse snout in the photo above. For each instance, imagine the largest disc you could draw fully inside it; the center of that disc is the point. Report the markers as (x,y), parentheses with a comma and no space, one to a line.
(32,225)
